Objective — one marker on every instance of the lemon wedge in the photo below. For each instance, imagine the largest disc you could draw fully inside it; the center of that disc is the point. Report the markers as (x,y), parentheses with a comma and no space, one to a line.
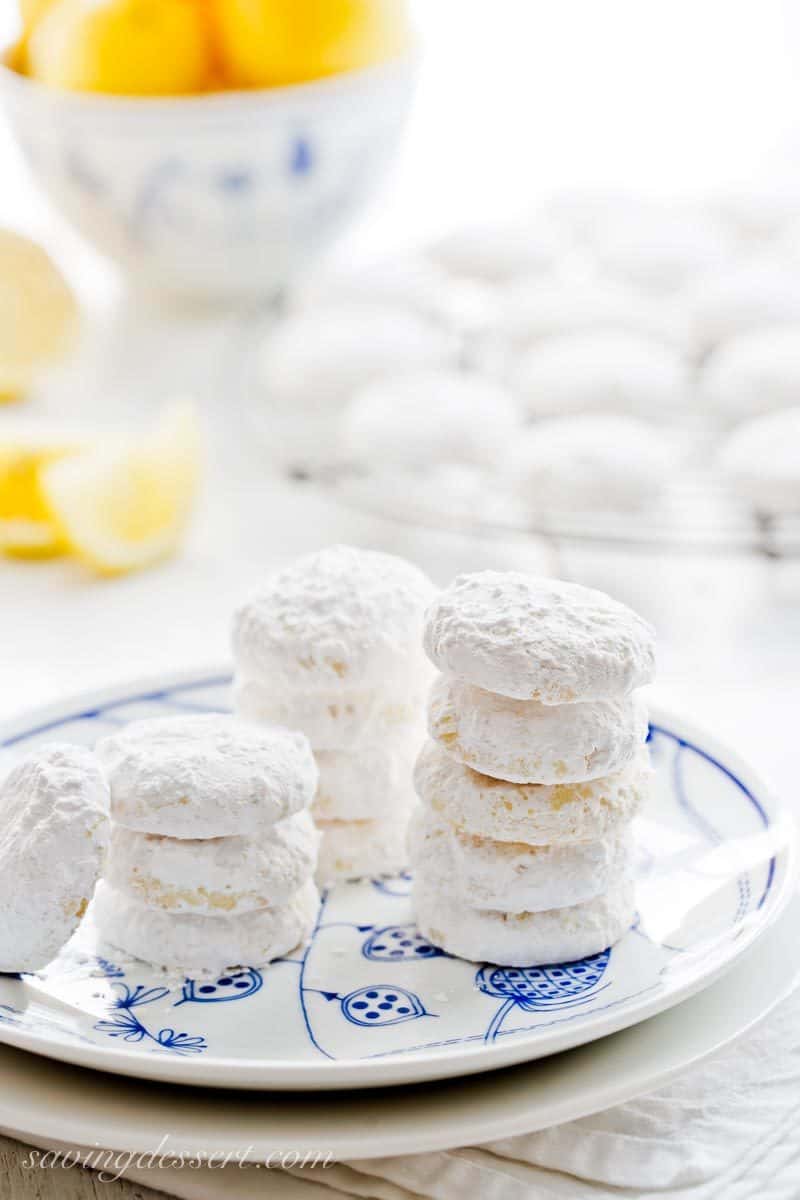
(38,313)
(26,528)
(125,504)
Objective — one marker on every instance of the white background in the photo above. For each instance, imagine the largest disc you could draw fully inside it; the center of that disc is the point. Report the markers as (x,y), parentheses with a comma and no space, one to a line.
(523,97)
(518,98)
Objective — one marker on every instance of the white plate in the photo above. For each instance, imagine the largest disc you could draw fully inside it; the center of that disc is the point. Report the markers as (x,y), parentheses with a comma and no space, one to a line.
(369,1003)
(54,1104)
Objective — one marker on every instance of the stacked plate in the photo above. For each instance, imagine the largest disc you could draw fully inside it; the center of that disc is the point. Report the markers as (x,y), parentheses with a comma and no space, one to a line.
(369,1003)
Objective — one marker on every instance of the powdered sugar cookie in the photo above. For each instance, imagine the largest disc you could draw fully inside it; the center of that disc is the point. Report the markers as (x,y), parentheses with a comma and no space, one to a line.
(534,309)
(538,639)
(411,281)
(317,359)
(522,939)
(313,361)
(206,776)
(214,876)
(754,373)
(761,461)
(758,214)
(497,253)
(362,849)
(589,463)
(334,720)
(341,618)
(527,742)
(413,420)
(203,944)
(536,814)
(608,371)
(511,877)
(662,247)
(53,837)
(373,782)
(753,295)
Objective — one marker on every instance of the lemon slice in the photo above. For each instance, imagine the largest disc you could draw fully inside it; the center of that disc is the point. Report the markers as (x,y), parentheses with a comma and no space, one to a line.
(125,505)
(38,313)
(26,527)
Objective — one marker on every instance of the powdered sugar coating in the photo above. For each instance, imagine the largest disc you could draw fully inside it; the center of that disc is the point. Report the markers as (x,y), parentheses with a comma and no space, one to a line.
(498,253)
(206,776)
(538,639)
(587,463)
(316,359)
(761,461)
(511,876)
(661,247)
(338,720)
(534,309)
(341,618)
(521,939)
(406,281)
(413,420)
(750,294)
(756,372)
(536,814)
(372,783)
(53,838)
(201,944)
(313,361)
(214,876)
(362,849)
(611,371)
(527,742)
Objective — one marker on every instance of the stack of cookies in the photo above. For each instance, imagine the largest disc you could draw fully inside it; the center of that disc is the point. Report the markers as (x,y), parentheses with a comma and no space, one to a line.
(331,645)
(213,847)
(535,768)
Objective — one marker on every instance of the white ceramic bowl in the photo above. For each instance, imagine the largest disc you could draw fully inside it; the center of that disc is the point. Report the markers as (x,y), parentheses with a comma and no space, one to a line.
(224,195)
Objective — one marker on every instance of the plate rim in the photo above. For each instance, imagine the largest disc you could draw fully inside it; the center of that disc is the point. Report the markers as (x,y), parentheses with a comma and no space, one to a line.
(505,1104)
(420,1066)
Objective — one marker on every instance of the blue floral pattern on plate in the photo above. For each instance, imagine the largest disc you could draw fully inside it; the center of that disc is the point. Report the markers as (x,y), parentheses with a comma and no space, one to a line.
(126,1023)
(368,985)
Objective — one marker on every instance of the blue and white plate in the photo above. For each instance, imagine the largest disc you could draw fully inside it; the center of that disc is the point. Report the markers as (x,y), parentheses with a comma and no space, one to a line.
(369,1002)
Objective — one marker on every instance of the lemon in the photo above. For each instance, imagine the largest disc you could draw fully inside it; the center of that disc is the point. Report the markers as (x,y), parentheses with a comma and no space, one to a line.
(128,47)
(26,528)
(125,505)
(38,313)
(267,42)
(31,11)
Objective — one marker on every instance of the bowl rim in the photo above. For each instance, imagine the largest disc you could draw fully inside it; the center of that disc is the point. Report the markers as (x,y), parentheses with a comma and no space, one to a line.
(329,87)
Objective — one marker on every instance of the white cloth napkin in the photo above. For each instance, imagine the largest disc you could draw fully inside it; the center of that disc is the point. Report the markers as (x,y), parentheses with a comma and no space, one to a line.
(728,1130)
